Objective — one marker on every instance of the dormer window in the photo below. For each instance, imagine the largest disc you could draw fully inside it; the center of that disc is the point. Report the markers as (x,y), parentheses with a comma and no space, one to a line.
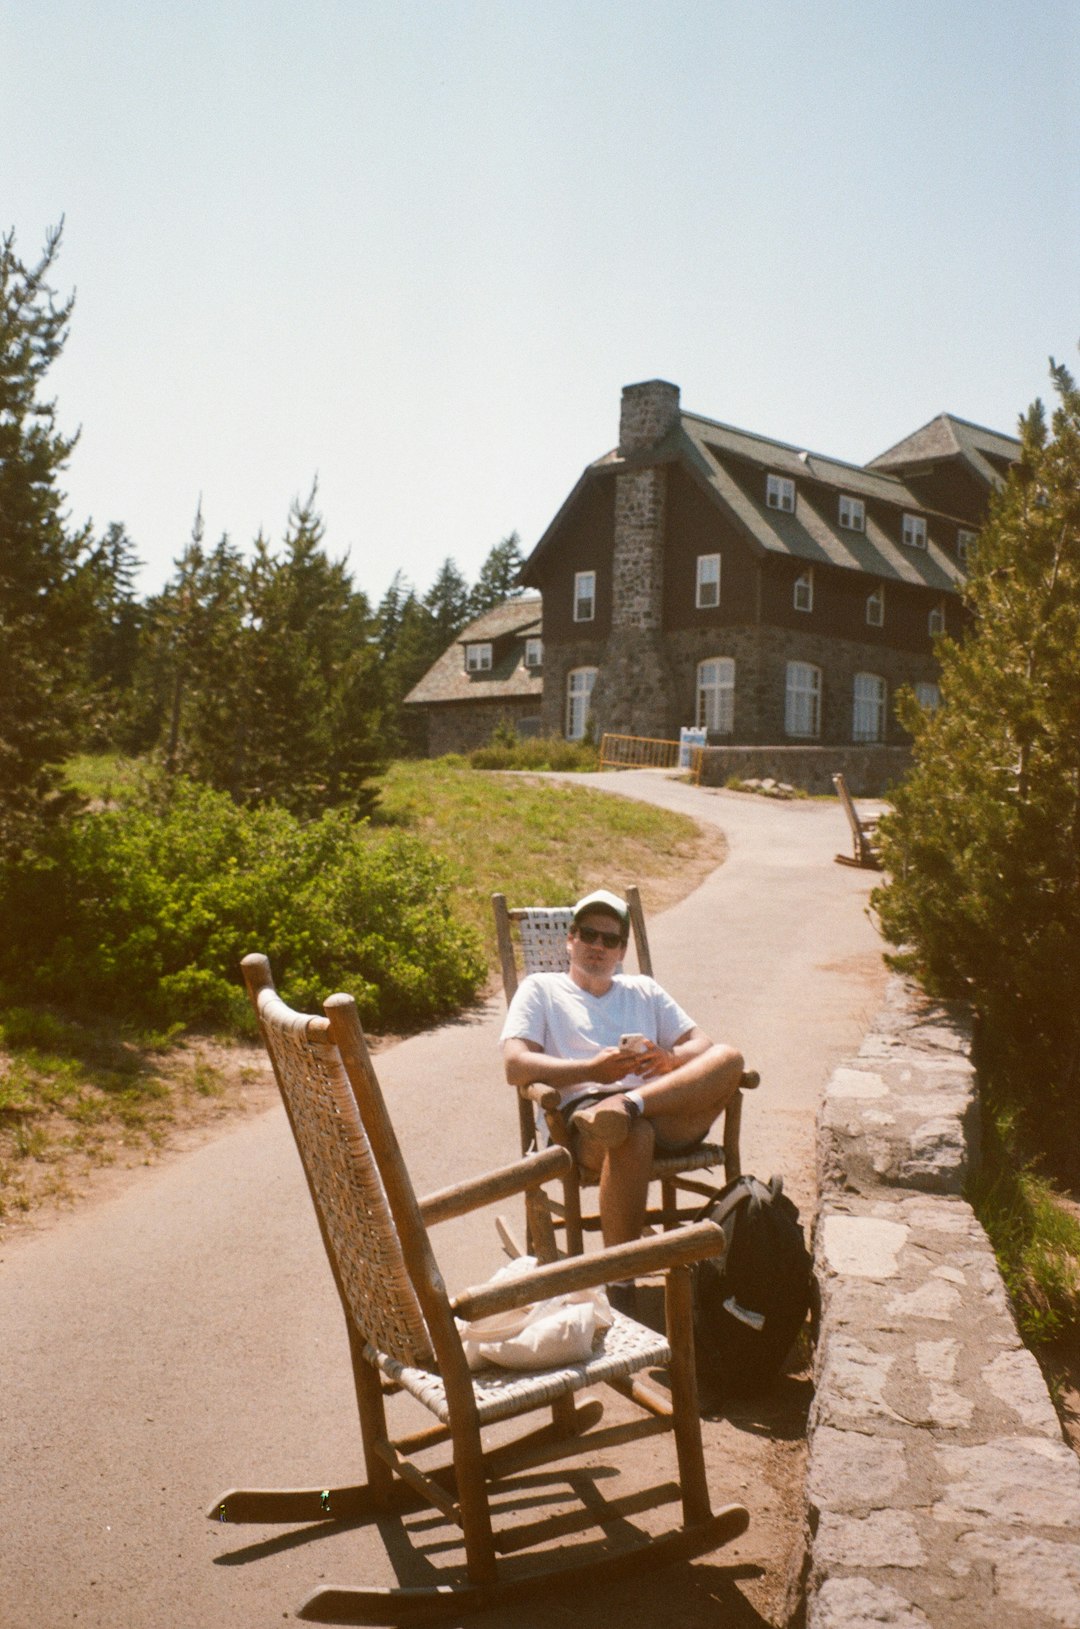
(708,581)
(965,542)
(478,657)
(804,590)
(534,652)
(780,493)
(875,609)
(852,513)
(584,596)
(913,533)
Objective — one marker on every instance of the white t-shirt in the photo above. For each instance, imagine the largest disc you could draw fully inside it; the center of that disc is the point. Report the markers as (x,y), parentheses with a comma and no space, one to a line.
(565,1021)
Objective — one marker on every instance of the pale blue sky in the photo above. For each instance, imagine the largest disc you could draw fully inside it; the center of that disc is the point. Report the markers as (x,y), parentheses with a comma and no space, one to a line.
(417,249)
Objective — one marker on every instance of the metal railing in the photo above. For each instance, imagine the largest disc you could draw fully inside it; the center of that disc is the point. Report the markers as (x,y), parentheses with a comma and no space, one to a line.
(645,752)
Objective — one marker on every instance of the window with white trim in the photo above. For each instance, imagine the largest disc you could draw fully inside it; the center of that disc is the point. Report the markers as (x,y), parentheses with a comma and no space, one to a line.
(936,619)
(852,513)
(478,657)
(802,700)
(868,723)
(708,580)
(913,532)
(780,493)
(716,695)
(875,609)
(584,596)
(534,651)
(965,542)
(803,598)
(579,689)
(928,695)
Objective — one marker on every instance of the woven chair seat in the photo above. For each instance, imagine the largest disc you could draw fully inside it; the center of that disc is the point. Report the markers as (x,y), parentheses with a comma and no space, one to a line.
(502,1393)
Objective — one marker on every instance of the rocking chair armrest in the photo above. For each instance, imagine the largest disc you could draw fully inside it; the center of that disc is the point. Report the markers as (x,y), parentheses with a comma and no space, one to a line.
(475,1192)
(674,1249)
(548,1097)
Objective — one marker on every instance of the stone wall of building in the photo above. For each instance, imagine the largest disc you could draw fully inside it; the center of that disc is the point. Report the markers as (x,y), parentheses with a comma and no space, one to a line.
(462,727)
(870,771)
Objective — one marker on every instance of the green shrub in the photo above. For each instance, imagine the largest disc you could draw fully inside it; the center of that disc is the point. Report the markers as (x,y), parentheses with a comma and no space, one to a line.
(144,911)
(506,750)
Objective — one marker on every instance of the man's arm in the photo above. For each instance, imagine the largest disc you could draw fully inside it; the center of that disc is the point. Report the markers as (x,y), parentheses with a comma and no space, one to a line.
(526,1064)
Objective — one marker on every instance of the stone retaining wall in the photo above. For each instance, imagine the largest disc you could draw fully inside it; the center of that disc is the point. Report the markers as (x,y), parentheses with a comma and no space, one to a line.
(940,1490)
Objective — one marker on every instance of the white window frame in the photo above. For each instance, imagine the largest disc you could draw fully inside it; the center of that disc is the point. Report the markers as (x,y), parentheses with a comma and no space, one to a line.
(579,689)
(716,695)
(534,651)
(707,589)
(868,711)
(928,696)
(802,701)
(875,608)
(913,531)
(935,622)
(780,493)
(804,601)
(965,542)
(478,656)
(852,513)
(584,596)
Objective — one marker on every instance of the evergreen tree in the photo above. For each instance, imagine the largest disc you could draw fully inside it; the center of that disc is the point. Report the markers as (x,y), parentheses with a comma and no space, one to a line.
(448,601)
(45,592)
(499,578)
(114,637)
(984,843)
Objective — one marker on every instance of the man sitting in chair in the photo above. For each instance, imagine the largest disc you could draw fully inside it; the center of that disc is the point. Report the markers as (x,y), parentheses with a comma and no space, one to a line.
(634,1072)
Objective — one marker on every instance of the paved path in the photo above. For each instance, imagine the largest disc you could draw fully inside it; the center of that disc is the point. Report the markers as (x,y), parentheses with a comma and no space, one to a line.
(184,1336)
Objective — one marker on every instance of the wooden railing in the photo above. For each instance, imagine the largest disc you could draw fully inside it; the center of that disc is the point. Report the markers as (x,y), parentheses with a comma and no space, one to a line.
(645,752)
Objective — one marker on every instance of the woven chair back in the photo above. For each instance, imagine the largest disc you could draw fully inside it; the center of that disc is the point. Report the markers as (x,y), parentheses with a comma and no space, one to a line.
(542,936)
(345,1184)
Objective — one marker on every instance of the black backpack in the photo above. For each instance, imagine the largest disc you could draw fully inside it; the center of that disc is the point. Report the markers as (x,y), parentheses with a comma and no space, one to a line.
(751,1302)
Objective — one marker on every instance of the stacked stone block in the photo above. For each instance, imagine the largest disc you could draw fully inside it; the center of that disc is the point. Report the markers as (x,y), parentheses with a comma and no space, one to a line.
(940,1491)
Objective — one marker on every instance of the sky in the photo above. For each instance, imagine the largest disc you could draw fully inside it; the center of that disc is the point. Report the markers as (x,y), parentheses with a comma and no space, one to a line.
(413,251)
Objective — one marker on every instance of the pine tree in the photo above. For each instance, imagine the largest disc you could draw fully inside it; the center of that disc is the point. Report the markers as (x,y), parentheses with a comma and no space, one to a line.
(984,843)
(500,576)
(45,593)
(448,601)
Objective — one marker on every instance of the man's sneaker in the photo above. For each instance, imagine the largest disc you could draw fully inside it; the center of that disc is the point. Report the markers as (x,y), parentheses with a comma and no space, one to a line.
(606,1122)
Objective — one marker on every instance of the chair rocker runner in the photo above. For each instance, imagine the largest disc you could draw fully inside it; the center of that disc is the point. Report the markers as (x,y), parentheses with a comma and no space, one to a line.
(532,939)
(864,838)
(403,1336)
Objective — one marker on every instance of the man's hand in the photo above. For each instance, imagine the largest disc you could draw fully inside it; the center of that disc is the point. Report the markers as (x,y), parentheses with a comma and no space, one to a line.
(612,1063)
(653,1061)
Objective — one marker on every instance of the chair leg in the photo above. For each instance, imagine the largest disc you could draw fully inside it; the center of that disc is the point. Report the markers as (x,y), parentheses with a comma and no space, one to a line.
(369,1402)
(687,1421)
(669,1203)
(575,1238)
(732,1128)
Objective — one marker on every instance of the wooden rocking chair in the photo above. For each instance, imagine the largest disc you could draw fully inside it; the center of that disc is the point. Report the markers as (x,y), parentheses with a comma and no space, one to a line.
(532,939)
(864,840)
(403,1337)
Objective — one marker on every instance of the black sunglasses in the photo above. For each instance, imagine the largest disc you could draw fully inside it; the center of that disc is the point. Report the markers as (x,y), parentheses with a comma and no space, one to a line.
(597,936)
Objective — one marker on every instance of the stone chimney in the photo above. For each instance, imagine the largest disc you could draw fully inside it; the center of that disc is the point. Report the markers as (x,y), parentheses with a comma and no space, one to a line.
(648,412)
(635,690)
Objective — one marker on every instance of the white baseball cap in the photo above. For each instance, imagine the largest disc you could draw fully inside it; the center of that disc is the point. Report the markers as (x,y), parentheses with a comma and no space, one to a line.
(602,900)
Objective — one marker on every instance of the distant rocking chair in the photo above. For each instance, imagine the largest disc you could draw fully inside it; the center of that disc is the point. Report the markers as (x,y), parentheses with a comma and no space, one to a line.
(864,837)
(532,939)
(403,1336)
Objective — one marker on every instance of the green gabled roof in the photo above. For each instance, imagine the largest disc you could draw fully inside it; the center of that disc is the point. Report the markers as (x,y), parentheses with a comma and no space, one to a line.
(988,452)
(813,533)
(512,623)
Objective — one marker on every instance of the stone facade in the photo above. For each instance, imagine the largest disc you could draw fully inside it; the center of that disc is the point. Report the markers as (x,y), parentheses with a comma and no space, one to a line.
(870,771)
(463,726)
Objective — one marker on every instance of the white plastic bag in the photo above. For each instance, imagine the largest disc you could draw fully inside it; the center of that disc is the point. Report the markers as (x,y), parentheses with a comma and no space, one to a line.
(541,1335)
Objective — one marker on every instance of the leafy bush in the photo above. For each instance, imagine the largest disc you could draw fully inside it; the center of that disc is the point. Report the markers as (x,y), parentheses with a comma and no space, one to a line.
(507,750)
(144,911)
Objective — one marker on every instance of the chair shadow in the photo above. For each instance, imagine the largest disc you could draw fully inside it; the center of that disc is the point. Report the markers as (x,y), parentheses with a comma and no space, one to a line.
(696,1596)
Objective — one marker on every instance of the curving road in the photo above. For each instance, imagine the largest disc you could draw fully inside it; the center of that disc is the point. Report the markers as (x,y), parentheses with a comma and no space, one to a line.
(184,1336)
